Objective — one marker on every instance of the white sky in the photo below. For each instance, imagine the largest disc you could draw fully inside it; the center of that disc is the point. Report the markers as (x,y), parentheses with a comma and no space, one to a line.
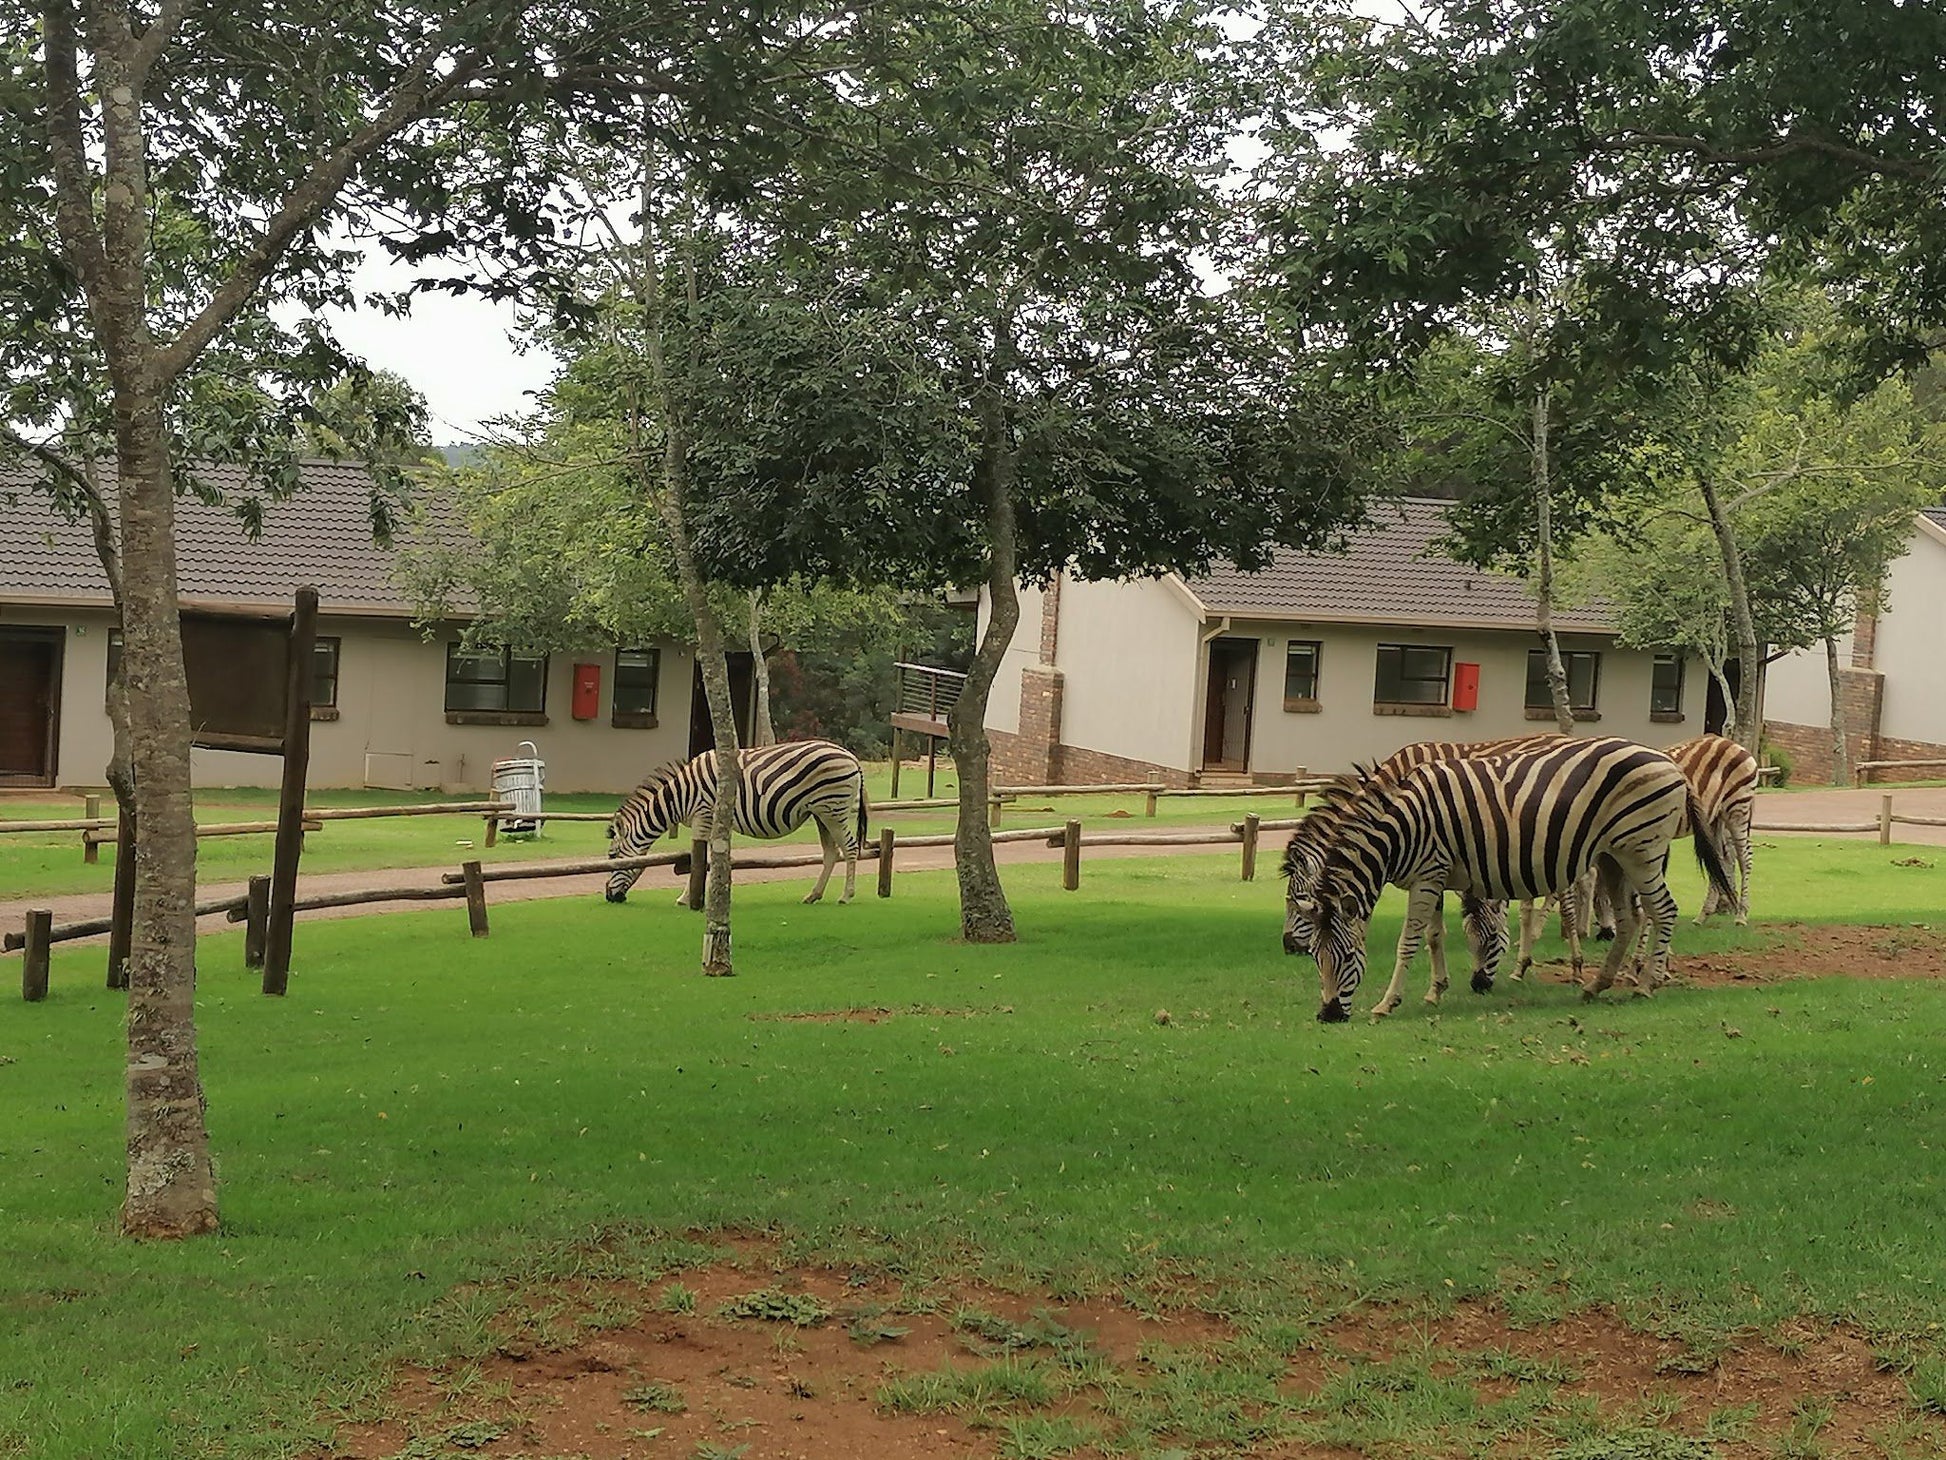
(458,351)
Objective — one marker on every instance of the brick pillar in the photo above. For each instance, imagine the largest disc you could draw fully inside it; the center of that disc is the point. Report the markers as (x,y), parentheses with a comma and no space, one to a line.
(1864,639)
(1040,725)
(1051,620)
(1863,691)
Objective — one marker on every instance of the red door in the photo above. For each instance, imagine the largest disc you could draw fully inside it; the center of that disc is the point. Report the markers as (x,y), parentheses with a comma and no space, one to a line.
(30,681)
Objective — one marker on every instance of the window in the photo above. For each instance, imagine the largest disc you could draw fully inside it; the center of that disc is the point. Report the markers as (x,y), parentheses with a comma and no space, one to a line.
(495,680)
(1584,677)
(324,668)
(636,671)
(1301,674)
(1410,674)
(1665,687)
(324,674)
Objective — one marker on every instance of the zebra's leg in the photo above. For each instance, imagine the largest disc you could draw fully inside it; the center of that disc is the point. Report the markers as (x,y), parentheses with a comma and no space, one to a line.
(1423,913)
(829,843)
(1570,901)
(1625,924)
(1601,908)
(1660,906)
(1531,914)
(1740,838)
(1394,994)
(853,844)
(1486,938)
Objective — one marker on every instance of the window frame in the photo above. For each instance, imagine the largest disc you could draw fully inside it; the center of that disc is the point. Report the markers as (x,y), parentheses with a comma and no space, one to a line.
(1298,704)
(635,718)
(505,713)
(1544,707)
(1442,705)
(1674,715)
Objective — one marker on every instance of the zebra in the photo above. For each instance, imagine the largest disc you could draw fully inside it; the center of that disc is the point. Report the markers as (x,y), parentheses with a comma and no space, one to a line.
(1723,776)
(1485,921)
(1520,825)
(783,787)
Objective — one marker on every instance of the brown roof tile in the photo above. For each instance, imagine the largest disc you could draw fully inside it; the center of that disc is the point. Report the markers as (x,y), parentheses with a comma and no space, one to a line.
(1390,574)
(321,537)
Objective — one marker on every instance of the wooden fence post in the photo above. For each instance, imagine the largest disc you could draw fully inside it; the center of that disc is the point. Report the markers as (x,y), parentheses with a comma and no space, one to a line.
(1885,820)
(121,931)
(1302,776)
(886,839)
(33,965)
(898,754)
(492,828)
(1250,832)
(993,811)
(256,923)
(91,851)
(1071,855)
(476,907)
(1149,810)
(698,873)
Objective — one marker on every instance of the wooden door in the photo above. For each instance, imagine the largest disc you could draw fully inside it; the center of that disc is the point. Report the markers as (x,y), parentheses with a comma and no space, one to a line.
(1230,704)
(743,699)
(30,705)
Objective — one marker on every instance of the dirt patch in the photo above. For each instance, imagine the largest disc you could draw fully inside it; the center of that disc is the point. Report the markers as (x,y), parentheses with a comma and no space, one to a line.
(752,1358)
(1802,950)
(877,1015)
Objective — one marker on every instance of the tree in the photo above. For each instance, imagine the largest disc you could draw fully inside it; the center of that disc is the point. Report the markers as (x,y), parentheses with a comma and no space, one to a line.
(1019,273)
(169,178)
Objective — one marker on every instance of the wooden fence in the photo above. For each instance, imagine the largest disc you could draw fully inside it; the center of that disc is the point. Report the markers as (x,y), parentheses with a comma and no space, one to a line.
(98,830)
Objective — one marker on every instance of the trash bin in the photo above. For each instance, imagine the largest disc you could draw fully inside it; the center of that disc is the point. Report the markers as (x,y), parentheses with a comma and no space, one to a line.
(518,782)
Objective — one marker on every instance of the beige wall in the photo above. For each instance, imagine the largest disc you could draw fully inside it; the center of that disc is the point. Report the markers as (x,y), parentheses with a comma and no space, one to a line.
(1797,687)
(1023,652)
(391,728)
(1907,648)
(1128,655)
(1345,729)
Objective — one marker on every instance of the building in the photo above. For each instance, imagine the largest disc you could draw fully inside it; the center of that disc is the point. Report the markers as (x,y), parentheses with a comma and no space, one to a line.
(1894,692)
(395,705)
(1318,661)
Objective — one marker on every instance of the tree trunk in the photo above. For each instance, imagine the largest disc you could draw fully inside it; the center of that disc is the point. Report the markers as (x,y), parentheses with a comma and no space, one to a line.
(1840,739)
(984,915)
(729,769)
(1557,674)
(1749,658)
(171,1182)
(1719,671)
(762,730)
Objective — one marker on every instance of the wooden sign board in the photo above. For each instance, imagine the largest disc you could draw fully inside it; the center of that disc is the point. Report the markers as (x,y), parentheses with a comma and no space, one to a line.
(239,680)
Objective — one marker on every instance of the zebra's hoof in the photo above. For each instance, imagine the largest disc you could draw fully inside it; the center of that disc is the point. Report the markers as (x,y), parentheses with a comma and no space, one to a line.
(1604,935)
(1482,981)
(1743,920)
(616,896)
(810,897)
(1332,1013)
(1379,1011)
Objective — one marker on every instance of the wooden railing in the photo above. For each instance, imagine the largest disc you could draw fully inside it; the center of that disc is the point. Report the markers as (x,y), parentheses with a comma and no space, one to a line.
(926,691)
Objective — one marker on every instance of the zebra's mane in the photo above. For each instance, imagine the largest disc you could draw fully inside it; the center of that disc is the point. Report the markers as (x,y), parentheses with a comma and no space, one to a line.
(655,780)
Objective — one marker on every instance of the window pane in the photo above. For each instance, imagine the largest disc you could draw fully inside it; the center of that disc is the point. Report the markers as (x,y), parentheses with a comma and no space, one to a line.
(1538,697)
(635,681)
(468,696)
(527,683)
(1412,675)
(1583,673)
(324,673)
(1425,663)
(489,666)
(1665,694)
(1301,672)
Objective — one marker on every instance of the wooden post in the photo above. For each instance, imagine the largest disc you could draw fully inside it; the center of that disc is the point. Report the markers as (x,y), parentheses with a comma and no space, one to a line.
(1071,855)
(698,873)
(33,965)
(1885,820)
(886,839)
(897,748)
(1250,833)
(932,764)
(1302,776)
(91,851)
(476,907)
(256,923)
(492,828)
(1149,810)
(121,930)
(290,799)
(993,811)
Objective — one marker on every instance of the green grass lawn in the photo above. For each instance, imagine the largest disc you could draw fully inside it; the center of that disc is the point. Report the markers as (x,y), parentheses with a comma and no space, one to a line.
(32,863)
(425,1111)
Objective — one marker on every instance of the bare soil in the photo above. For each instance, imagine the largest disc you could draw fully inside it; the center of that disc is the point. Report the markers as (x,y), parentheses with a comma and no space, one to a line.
(698,1383)
(1801,950)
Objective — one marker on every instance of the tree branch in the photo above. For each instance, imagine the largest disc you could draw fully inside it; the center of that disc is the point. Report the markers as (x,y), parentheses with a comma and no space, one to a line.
(79,477)
(150,45)
(74,211)
(1784,147)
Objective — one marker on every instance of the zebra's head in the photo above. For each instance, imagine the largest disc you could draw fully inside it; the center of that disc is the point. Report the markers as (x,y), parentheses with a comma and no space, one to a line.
(1336,925)
(638,823)
(1303,865)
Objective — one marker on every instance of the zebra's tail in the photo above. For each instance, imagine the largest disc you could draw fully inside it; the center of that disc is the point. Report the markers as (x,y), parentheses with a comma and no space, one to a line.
(1708,854)
(864,815)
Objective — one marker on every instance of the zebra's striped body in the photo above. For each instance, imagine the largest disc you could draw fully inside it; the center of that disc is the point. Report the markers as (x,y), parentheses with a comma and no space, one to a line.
(1520,825)
(783,787)
(1485,921)
(1722,776)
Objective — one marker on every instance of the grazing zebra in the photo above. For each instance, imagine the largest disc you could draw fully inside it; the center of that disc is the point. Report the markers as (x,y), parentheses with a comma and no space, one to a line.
(1485,921)
(783,787)
(1723,777)
(1520,825)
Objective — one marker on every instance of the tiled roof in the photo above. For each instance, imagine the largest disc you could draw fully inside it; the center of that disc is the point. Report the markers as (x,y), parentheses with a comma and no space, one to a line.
(1390,574)
(321,536)
(1935,515)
